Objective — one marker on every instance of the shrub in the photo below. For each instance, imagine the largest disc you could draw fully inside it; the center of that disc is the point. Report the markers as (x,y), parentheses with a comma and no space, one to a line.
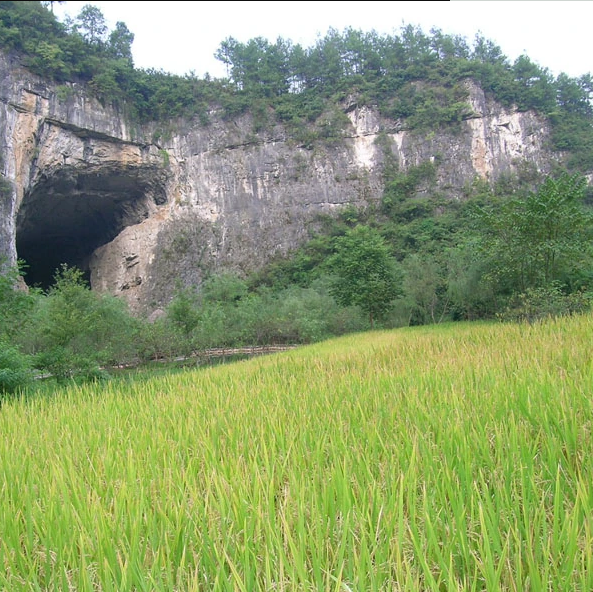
(540,303)
(64,366)
(15,370)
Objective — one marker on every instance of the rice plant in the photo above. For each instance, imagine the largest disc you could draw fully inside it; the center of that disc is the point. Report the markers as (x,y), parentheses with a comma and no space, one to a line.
(448,458)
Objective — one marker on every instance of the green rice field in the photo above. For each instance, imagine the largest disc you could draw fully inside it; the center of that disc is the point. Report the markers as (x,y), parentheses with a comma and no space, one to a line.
(449,458)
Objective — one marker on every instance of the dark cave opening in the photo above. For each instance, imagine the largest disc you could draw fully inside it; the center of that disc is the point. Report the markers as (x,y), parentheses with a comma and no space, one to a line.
(68,215)
(43,256)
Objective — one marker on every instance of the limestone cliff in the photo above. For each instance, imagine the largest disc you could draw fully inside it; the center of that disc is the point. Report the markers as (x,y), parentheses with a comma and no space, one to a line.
(89,189)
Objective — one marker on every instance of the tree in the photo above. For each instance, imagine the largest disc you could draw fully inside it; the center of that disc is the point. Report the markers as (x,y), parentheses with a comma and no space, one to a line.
(535,89)
(120,42)
(77,330)
(224,288)
(183,311)
(469,295)
(51,3)
(16,302)
(48,60)
(91,24)
(366,274)
(423,285)
(530,242)
(15,369)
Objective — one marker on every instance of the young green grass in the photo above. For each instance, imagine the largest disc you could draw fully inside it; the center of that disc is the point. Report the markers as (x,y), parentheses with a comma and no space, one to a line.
(446,458)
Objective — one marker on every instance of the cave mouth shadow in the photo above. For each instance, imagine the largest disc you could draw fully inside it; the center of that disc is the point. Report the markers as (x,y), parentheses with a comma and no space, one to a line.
(67,216)
(40,262)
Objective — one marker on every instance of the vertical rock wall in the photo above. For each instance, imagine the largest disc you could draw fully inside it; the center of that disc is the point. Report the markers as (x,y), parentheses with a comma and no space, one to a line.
(143,217)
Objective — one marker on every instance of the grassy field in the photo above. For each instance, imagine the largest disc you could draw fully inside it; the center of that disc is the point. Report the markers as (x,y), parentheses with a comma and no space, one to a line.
(448,458)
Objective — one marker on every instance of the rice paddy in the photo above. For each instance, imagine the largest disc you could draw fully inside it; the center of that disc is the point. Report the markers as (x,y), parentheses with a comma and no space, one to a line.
(449,458)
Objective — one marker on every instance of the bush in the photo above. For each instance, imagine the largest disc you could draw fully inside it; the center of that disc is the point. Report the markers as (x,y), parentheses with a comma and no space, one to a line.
(74,326)
(64,366)
(159,340)
(15,370)
(540,303)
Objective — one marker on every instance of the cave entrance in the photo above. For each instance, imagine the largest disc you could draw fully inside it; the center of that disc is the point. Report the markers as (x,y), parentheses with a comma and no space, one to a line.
(68,215)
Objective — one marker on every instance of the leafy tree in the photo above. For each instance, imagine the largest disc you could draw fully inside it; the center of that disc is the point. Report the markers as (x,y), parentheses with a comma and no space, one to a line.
(76,331)
(47,60)
(535,88)
(183,311)
(223,288)
(366,274)
(532,241)
(90,23)
(544,302)
(16,303)
(120,42)
(470,297)
(15,369)
(68,308)
(423,285)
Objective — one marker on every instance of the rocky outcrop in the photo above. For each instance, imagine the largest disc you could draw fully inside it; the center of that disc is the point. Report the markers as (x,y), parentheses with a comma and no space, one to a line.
(141,217)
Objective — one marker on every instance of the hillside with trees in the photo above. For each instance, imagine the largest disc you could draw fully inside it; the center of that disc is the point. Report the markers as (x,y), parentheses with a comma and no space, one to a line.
(519,249)
(413,77)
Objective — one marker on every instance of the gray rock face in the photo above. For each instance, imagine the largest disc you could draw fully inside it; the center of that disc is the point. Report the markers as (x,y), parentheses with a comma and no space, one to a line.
(90,190)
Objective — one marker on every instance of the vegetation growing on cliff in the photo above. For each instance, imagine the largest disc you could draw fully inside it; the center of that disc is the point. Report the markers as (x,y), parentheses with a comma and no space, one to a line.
(486,256)
(521,256)
(415,78)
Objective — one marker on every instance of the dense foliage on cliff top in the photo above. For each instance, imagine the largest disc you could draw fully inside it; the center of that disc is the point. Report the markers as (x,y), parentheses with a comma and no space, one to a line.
(413,77)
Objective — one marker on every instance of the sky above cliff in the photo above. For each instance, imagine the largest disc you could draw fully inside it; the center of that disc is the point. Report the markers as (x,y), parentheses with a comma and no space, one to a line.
(182,37)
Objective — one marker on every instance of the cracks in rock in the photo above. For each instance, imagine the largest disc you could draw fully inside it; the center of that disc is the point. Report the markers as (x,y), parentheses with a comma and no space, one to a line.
(84,133)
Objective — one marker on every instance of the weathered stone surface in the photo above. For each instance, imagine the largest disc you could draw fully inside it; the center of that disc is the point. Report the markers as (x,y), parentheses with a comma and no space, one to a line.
(90,190)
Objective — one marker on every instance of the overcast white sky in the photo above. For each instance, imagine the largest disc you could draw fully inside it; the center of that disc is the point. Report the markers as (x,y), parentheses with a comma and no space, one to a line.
(182,37)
